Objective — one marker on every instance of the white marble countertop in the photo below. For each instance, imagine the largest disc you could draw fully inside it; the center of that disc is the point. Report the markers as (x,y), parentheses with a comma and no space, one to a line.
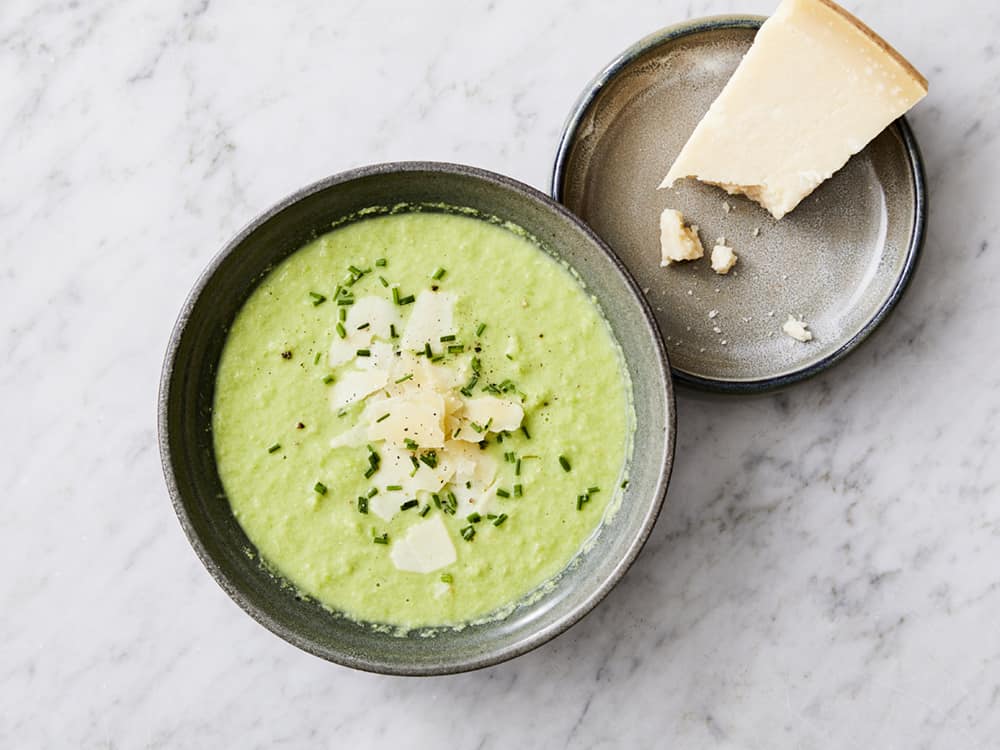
(826,573)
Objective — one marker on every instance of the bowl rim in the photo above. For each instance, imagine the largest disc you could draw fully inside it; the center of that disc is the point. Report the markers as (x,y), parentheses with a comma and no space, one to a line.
(489,658)
(914,245)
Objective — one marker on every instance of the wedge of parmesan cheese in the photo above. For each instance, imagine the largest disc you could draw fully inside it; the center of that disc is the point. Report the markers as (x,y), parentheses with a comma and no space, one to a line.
(432,317)
(424,548)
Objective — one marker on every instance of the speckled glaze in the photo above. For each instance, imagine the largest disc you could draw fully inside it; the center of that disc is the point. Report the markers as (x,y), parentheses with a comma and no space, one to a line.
(840,261)
(186,398)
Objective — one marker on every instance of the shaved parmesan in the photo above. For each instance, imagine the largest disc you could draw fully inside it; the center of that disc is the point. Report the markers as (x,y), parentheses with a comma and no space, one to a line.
(432,318)
(417,417)
(424,548)
(378,313)
(489,414)
(354,385)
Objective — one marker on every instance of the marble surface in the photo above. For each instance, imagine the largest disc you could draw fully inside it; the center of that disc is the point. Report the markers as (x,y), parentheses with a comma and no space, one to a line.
(826,573)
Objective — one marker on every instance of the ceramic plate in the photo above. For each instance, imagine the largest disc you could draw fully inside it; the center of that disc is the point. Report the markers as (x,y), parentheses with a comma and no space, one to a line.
(839,261)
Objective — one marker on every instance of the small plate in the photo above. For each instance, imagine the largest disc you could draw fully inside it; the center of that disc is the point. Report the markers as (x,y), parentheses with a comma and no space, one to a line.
(840,261)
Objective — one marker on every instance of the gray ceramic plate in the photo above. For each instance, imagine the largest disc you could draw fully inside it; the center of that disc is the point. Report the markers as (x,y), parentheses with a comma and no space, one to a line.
(840,260)
(188,382)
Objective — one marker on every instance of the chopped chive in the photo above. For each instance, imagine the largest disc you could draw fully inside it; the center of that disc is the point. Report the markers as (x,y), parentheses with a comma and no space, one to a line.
(392,331)
(527,434)
(581,500)
(395,294)
(364,352)
(425,510)
(328,379)
(476,365)
(409,504)
(437,358)
(416,464)
(437,499)
(320,488)
(625,484)
(473,518)
(370,471)
(384,539)
(439,274)
(394,487)
(468,532)
(343,314)
(381,262)
(500,519)
(363,505)
(409,299)
(411,444)
(382,281)
(355,270)
(341,331)
(427,351)
(593,490)
(373,492)
(405,378)
(476,427)
(449,337)
(564,462)
(488,423)
(502,493)
(318,299)
(430,458)
(517,468)
(456,349)
(447,578)
(382,418)
(344,301)
(482,327)
(274,448)
(508,456)
(316,358)
(363,326)
(500,436)
(518,490)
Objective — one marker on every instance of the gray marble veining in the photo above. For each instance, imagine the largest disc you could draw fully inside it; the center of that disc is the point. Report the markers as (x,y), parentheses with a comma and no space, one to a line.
(826,573)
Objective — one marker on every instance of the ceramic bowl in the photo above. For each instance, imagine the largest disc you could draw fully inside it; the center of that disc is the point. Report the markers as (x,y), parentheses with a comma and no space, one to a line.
(186,398)
(841,260)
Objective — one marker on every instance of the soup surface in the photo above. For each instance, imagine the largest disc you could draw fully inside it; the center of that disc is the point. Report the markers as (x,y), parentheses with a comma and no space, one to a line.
(420,419)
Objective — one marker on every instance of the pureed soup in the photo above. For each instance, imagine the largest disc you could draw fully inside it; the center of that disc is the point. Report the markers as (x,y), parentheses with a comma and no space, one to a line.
(420,419)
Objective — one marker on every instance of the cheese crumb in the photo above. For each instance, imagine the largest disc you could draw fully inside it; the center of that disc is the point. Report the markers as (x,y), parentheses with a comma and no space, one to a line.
(756,231)
(723,257)
(677,241)
(713,313)
(797,329)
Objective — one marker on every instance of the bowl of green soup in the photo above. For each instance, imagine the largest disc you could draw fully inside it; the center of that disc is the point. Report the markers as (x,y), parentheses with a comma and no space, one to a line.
(416,419)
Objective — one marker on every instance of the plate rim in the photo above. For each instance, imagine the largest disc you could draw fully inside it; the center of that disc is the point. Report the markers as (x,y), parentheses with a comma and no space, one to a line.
(914,246)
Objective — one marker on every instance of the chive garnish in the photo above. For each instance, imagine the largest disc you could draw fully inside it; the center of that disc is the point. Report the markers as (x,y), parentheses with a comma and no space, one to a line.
(508,456)
(564,462)
(527,434)
(482,327)
(456,349)
(328,379)
(502,493)
(473,518)
(447,578)
(405,378)
(395,294)
(476,427)
(363,326)
(437,358)
(318,299)
(316,358)
(625,484)
(449,337)
(344,301)
(476,365)
(409,504)
(320,488)
(411,444)
(381,262)
(342,314)
(341,331)
(407,300)
(425,510)
(384,539)
(439,274)
(364,352)
(392,331)
(382,281)
(355,271)
(416,464)
(427,351)
(373,492)
(500,519)
(394,487)
(593,490)
(468,532)
(517,468)
(581,501)
(430,458)
(363,505)
(518,489)
(437,499)
(370,471)
(382,418)
(274,448)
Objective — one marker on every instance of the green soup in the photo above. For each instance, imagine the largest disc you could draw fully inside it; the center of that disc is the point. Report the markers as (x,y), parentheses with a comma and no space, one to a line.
(330,502)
